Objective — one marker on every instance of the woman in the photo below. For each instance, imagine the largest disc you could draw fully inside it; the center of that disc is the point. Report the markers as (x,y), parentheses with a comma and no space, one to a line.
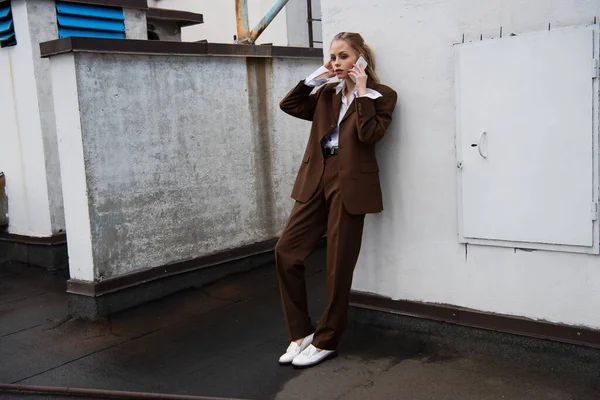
(337,184)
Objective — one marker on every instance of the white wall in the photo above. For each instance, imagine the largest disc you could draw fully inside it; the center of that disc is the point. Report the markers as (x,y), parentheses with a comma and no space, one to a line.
(411,250)
(220,21)
(42,27)
(297,27)
(28,152)
(68,130)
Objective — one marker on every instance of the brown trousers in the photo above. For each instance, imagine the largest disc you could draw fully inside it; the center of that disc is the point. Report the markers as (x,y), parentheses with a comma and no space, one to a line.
(307,223)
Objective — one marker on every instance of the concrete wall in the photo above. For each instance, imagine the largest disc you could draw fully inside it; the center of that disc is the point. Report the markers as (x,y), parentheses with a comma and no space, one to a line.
(135,24)
(28,150)
(171,158)
(166,30)
(411,250)
(289,28)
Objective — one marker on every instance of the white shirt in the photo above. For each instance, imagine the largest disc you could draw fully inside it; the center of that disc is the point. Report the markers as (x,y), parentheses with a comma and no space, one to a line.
(332,139)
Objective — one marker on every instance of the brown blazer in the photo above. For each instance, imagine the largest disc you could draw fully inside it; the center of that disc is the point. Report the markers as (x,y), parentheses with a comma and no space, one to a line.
(364,124)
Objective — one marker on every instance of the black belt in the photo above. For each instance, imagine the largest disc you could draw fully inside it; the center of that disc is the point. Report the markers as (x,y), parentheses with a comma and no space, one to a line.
(330,151)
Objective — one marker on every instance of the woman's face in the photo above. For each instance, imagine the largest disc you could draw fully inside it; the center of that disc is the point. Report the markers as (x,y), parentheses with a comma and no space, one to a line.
(343,57)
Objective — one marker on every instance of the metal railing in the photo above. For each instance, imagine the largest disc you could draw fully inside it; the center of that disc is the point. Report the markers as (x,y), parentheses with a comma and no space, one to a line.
(310,20)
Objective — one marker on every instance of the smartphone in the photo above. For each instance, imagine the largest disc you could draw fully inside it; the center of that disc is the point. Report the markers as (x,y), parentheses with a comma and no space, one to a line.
(362,62)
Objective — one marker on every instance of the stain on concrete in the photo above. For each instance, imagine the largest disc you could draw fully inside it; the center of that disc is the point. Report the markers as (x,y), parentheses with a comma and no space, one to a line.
(259,72)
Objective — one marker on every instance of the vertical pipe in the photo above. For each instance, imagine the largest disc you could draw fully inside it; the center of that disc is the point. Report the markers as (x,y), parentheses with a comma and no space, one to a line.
(3,202)
(241,14)
(267,19)
(311,43)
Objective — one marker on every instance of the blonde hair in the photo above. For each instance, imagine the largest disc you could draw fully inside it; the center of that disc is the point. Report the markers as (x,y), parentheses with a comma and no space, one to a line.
(356,41)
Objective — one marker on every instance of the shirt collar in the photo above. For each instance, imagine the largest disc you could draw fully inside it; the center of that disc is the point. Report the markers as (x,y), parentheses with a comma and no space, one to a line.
(341,86)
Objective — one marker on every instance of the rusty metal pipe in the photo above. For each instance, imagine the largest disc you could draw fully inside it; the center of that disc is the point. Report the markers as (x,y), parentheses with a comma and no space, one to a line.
(249,37)
(267,19)
(115,394)
(241,17)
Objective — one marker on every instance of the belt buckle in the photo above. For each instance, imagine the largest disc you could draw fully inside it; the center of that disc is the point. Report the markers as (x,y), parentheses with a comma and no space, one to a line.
(329,151)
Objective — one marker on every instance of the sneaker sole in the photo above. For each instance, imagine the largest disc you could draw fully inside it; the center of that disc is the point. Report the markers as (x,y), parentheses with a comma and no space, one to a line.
(285,364)
(329,357)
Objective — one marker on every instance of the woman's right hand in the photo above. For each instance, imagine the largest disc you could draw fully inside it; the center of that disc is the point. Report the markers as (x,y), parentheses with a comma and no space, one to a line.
(327,75)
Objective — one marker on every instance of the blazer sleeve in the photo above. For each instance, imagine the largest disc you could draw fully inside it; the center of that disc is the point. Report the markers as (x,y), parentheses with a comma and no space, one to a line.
(300,103)
(374,116)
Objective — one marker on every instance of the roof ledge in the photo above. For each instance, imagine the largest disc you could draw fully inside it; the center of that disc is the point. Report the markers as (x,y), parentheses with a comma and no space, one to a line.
(182,18)
(160,48)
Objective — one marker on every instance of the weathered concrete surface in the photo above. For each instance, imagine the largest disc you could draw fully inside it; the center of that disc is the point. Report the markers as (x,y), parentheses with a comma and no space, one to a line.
(224,340)
(184,156)
(135,24)
(166,30)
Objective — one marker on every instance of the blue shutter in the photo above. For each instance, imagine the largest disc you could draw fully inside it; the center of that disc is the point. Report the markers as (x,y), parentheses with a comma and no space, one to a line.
(7,28)
(91,21)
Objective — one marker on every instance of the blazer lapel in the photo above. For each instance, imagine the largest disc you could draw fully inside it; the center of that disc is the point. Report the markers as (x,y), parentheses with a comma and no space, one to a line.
(350,110)
(335,111)
(352,107)
(337,105)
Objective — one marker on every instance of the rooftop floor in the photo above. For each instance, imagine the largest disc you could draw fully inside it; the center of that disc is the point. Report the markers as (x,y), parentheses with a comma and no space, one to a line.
(223,340)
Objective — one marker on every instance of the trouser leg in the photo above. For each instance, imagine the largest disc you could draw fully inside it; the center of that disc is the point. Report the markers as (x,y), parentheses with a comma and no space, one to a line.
(305,226)
(344,236)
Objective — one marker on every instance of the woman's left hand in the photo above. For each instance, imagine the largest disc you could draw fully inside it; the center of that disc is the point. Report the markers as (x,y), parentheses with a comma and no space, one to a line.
(360,77)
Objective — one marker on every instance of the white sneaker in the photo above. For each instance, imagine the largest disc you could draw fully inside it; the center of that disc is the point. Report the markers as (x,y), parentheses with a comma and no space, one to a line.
(294,349)
(312,356)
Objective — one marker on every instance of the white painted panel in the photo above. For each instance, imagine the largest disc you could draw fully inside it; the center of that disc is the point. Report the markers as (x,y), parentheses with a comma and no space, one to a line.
(533,96)
(23,157)
(72,167)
